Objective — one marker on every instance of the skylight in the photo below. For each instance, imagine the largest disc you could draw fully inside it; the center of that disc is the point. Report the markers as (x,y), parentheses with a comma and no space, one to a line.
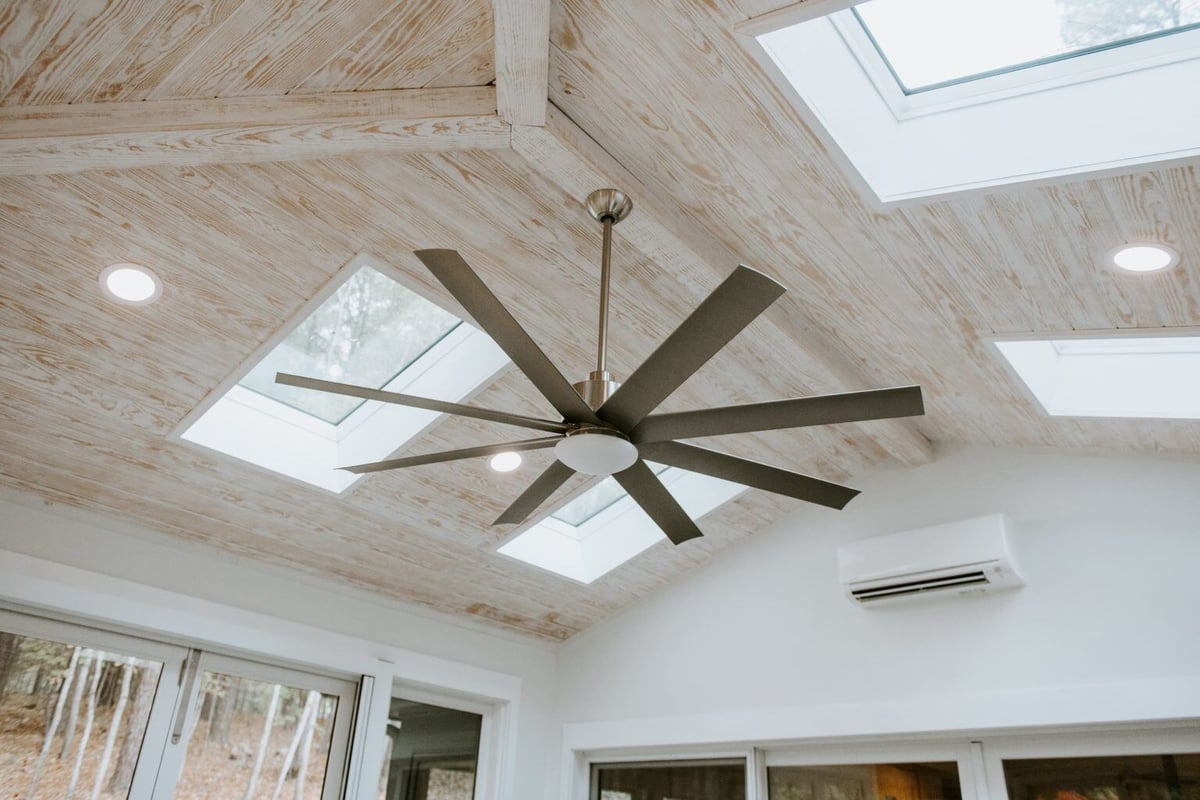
(365,328)
(1120,376)
(974,94)
(595,500)
(368,332)
(933,43)
(612,528)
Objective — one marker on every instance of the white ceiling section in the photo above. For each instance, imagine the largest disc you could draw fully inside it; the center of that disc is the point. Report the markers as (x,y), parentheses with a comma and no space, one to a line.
(253,149)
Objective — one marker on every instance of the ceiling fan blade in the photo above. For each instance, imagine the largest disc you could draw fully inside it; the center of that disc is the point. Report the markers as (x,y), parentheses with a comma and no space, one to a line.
(723,315)
(453,455)
(648,492)
(537,493)
(486,309)
(749,473)
(903,401)
(458,409)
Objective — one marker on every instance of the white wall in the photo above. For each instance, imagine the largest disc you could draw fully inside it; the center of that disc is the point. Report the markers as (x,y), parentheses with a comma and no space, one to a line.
(62,560)
(762,644)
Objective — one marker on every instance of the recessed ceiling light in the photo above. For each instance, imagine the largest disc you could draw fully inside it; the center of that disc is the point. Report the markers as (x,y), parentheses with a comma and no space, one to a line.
(1144,257)
(506,462)
(131,284)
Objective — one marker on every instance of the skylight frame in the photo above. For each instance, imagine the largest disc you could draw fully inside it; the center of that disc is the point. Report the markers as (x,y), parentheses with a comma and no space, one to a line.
(1063,375)
(354,404)
(287,442)
(1032,64)
(1024,128)
(1154,50)
(614,535)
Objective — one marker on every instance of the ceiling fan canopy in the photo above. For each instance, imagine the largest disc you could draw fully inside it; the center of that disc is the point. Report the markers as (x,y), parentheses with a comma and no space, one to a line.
(608,427)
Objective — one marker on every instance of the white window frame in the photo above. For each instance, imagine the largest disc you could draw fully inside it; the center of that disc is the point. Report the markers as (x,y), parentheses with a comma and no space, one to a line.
(1031,126)
(166,697)
(333,781)
(492,730)
(1162,738)
(979,755)
(909,751)
(160,761)
(271,435)
(667,758)
(1035,365)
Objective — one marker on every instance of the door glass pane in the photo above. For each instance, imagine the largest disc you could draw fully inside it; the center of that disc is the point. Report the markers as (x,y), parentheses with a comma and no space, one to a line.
(930,781)
(686,780)
(1154,777)
(71,718)
(431,753)
(254,740)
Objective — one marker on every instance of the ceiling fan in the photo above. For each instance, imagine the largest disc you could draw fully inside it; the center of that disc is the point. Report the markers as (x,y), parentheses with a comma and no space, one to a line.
(607,427)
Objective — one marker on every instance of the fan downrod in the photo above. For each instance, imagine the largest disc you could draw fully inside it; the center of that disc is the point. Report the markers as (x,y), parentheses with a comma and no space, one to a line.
(608,207)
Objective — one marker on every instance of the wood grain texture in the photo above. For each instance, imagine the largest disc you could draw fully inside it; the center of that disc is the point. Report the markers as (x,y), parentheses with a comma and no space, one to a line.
(73,138)
(912,292)
(522,59)
(722,171)
(113,50)
(93,390)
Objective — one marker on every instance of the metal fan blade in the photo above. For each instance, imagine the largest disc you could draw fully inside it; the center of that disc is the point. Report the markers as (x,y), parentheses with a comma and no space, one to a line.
(904,401)
(648,492)
(730,308)
(454,455)
(537,493)
(749,473)
(469,290)
(441,406)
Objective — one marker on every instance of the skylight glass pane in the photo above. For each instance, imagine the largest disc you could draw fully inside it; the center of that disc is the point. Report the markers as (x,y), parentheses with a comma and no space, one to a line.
(595,500)
(368,332)
(933,42)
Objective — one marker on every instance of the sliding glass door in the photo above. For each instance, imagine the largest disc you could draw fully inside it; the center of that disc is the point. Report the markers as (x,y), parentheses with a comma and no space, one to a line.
(94,715)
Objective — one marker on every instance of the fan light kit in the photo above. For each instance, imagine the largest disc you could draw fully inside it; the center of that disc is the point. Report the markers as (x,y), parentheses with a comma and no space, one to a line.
(505,462)
(608,427)
(1147,257)
(130,284)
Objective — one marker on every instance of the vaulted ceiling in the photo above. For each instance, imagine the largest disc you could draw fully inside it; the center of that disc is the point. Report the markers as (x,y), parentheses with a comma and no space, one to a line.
(247,150)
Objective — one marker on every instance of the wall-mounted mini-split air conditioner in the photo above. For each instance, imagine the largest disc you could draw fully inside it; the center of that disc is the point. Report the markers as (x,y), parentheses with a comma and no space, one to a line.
(966,557)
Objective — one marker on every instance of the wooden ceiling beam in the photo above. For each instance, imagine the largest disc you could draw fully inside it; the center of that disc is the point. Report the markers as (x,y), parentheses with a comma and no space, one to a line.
(573,161)
(522,60)
(37,140)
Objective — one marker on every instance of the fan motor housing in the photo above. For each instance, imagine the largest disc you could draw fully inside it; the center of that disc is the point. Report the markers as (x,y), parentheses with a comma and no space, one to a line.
(596,389)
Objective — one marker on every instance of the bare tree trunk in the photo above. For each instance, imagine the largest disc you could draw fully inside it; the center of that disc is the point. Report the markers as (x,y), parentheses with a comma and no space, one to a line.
(73,713)
(113,727)
(10,644)
(131,742)
(385,773)
(87,724)
(306,718)
(306,744)
(218,727)
(263,743)
(63,691)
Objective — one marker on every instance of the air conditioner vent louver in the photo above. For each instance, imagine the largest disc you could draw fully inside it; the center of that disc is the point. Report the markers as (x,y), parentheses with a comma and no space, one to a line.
(916,587)
(967,557)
